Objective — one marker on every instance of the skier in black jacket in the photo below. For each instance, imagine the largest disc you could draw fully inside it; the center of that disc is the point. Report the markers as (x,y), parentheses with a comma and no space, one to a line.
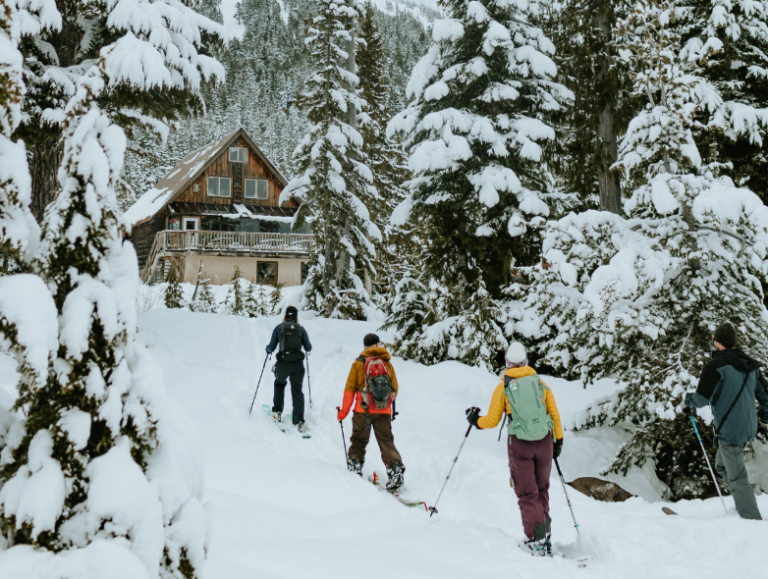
(730,382)
(290,364)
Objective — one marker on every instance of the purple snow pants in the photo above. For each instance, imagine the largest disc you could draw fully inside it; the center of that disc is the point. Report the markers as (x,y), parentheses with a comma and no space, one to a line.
(530,464)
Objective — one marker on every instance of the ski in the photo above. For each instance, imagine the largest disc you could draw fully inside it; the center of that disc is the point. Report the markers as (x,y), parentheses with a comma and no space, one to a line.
(668,511)
(289,420)
(374,479)
(268,409)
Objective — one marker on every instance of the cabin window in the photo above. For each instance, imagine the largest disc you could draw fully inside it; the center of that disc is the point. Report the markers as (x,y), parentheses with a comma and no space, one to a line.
(267,272)
(191,224)
(174,223)
(216,223)
(256,189)
(238,155)
(219,186)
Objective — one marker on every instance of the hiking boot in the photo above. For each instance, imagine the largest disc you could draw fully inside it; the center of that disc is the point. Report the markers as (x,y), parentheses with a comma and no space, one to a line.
(537,545)
(355,466)
(395,475)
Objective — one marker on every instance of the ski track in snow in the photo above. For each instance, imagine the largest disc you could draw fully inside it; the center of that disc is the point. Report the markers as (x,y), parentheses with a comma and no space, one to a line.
(283,507)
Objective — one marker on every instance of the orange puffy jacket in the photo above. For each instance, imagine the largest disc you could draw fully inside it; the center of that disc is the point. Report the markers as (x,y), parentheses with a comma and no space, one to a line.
(356,382)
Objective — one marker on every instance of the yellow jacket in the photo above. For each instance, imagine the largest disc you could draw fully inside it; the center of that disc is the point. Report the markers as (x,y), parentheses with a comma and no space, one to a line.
(500,404)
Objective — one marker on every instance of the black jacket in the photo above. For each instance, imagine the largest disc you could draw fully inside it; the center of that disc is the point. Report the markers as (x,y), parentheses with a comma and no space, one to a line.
(719,385)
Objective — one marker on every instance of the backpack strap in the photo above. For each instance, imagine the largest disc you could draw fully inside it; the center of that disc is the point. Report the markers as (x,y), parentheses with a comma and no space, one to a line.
(363,403)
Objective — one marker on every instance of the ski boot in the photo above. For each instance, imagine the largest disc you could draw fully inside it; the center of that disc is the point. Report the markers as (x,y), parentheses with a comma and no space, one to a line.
(355,466)
(395,475)
(302,427)
(536,546)
(277,416)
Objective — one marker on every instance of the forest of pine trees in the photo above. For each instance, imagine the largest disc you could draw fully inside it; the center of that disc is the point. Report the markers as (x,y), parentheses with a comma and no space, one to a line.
(587,177)
(549,172)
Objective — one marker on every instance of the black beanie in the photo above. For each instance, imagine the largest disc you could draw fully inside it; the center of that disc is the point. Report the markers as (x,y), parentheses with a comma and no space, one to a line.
(725,334)
(291,312)
(370,340)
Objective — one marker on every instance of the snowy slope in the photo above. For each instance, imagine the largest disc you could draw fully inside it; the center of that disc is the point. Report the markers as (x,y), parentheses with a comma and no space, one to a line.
(286,507)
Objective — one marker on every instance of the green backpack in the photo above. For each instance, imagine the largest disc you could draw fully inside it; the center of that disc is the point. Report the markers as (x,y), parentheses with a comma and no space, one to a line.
(530,419)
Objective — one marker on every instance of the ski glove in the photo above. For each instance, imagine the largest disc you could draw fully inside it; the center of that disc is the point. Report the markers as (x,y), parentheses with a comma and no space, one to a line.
(342,415)
(558,448)
(472,415)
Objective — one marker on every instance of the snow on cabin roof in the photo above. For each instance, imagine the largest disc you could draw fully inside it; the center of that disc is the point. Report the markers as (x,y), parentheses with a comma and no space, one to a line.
(186,171)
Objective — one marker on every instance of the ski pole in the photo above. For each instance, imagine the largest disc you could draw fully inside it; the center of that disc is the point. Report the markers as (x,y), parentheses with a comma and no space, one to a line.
(433,510)
(567,500)
(259,383)
(343,438)
(503,422)
(712,472)
(309,382)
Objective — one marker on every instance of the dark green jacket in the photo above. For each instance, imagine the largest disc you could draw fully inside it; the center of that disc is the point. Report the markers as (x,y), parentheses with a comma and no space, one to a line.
(719,385)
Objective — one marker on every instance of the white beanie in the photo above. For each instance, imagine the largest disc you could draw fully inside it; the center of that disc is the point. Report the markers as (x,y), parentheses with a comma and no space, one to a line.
(516,355)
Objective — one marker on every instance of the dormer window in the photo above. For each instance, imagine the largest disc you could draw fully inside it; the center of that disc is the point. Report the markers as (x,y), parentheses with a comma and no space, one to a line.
(238,155)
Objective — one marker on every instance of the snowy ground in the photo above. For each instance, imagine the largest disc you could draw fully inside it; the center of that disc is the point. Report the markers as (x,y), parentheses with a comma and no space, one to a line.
(284,507)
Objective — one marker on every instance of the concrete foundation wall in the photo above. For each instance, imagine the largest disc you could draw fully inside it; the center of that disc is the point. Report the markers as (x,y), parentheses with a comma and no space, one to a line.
(220,268)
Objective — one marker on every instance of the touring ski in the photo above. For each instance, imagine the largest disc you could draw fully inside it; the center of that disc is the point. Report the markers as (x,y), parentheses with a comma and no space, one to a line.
(268,409)
(289,420)
(376,481)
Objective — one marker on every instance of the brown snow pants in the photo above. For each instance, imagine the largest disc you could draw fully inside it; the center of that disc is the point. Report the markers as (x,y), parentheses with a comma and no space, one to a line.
(381,424)
(530,464)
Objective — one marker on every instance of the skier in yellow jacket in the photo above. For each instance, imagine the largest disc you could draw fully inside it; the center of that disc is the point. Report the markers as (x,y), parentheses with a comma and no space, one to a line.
(530,443)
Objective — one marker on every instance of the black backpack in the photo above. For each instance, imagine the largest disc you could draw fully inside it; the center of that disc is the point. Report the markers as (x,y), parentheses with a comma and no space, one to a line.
(290,342)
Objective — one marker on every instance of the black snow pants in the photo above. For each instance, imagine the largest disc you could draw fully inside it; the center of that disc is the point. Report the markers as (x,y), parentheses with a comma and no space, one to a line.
(294,371)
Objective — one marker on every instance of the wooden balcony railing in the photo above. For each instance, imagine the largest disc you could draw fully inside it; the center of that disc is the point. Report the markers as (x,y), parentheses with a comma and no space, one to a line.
(233,241)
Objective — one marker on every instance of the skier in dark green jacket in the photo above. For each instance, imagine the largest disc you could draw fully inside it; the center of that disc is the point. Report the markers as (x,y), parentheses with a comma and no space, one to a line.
(290,336)
(731,382)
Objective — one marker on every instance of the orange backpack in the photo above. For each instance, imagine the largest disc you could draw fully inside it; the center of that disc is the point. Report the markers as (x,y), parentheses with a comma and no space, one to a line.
(377,390)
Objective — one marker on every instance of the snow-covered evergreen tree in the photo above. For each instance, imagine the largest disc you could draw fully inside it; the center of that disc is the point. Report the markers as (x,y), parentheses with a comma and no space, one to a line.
(334,184)
(173,297)
(475,132)
(386,158)
(256,304)
(275,298)
(639,298)
(235,302)
(204,301)
(71,35)
(95,474)
(588,62)
(729,40)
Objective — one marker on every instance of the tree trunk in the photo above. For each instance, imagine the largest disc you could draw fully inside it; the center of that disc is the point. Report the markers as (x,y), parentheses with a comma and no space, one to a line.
(47,151)
(46,157)
(608,154)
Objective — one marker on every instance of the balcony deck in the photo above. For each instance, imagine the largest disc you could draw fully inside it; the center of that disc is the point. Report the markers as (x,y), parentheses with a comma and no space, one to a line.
(174,244)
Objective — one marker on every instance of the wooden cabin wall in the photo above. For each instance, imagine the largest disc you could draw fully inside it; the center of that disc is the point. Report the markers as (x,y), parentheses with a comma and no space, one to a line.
(221,167)
(220,269)
(143,236)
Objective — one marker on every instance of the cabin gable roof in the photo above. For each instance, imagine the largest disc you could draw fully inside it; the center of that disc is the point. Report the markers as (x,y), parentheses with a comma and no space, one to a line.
(178,179)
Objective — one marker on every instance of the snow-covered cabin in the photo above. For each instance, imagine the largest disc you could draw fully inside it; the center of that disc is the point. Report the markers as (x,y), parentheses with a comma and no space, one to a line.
(220,207)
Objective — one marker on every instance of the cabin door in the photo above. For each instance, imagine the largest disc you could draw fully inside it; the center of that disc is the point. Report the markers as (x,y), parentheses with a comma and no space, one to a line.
(191,224)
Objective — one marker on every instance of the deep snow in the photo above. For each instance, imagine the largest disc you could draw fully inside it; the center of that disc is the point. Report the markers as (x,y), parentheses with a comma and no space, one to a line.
(286,507)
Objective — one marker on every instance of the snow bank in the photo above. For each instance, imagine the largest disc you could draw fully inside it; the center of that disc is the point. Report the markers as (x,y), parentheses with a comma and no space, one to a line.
(273,494)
